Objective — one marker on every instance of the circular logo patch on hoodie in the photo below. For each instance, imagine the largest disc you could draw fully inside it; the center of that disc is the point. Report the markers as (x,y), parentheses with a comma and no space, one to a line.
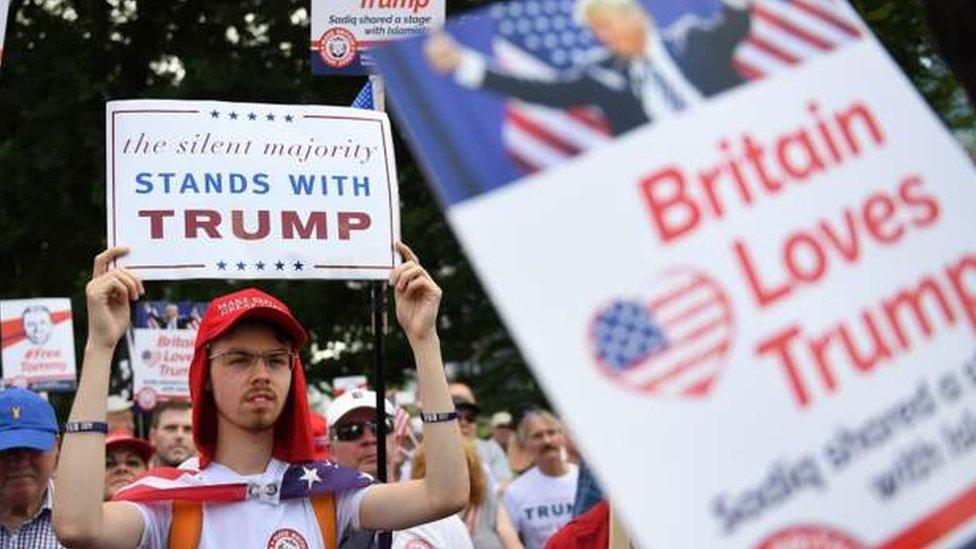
(286,538)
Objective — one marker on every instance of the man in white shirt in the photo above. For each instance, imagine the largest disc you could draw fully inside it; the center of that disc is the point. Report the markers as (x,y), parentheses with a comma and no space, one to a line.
(254,483)
(540,501)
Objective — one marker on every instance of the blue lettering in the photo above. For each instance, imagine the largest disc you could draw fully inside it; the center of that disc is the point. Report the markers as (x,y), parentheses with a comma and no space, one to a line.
(166,178)
(189,183)
(302,185)
(261,183)
(238,183)
(339,180)
(213,182)
(144,179)
(363,184)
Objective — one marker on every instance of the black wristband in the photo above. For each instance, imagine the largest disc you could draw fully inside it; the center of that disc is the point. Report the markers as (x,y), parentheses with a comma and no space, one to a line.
(86,427)
(438,417)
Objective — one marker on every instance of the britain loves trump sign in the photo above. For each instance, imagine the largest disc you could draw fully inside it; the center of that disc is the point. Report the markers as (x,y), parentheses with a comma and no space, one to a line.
(208,189)
(731,234)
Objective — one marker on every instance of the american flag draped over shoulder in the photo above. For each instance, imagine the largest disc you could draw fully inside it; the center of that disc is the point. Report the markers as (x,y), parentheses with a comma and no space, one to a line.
(300,480)
(540,39)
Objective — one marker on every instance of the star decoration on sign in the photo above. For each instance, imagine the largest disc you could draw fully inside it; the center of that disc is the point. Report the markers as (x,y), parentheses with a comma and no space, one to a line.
(221,266)
(214,114)
(288,118)
(298,265)
(270,117)
(233,116)
(311,476)
(280,266)
(241,265)
(252,116)
(259,265)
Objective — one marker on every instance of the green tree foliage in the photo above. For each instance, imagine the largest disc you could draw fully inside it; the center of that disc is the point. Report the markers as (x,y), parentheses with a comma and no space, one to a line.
(64,59)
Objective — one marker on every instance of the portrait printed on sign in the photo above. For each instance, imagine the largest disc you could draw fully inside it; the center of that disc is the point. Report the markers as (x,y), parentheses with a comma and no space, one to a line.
(541,81)
(38,344)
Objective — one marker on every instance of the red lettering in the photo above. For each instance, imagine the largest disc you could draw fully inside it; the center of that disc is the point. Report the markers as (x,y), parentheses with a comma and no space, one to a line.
(762,295)
(673,213)
(291,223)
(778,345)
(795,245)
(352,221)
(850,249)
(237,225)
(156,221)
(965,268)
(926,204)
(207,220)
(878,210)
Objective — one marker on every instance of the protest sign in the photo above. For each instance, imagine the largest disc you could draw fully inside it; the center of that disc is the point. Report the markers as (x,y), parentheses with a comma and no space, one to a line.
(344,384)
(752,262)
(343,31)
(4,8)
(161,348)
(208,189)
(38,344)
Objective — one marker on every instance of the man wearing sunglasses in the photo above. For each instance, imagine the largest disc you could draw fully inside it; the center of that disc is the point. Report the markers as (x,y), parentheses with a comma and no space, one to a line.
(255,482)
(352,431)
(352,443)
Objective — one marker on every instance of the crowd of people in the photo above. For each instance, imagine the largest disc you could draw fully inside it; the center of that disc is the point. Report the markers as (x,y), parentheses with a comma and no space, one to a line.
(247,462)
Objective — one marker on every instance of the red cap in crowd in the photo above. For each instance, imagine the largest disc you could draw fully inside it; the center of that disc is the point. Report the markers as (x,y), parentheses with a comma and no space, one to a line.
(293,432)
(125,439)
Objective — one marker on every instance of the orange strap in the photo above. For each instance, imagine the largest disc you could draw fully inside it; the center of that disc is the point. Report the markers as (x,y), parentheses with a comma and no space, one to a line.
(324,506)
(184,530)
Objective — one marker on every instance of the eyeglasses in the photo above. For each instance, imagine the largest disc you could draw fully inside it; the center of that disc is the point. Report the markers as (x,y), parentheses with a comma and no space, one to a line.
(241,360)
(348,432)
(467,418)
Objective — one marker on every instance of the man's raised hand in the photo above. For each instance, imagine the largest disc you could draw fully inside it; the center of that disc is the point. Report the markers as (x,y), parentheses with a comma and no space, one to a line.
(417,296)
(108,294)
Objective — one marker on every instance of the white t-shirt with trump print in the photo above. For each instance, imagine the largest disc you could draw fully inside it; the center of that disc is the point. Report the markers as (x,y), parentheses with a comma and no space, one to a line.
(539,505)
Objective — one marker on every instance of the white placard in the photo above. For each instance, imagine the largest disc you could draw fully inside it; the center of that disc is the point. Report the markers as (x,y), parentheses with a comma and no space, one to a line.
(38,344)
(342,30)
(766,343)
(343,384)
(208,189)
(4,8)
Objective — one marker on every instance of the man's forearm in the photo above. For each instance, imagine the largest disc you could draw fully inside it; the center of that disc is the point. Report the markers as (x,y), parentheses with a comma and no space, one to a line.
(80,481)
(447,474)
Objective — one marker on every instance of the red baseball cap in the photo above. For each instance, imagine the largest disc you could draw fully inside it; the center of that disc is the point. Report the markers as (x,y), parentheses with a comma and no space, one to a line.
(293,432)
(126,439)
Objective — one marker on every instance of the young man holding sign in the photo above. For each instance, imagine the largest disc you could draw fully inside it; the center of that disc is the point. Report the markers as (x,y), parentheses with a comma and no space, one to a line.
(255,482)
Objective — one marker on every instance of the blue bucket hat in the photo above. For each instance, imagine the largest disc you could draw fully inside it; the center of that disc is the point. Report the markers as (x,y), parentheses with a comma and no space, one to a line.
(26,421)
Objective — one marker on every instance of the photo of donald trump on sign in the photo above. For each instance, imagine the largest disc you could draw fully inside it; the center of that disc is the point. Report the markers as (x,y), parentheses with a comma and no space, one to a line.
(533,83)
(640,74)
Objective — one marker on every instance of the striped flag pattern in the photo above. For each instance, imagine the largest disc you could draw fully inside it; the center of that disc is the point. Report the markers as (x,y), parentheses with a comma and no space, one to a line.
(298,480)
(401,423)
(674,342)
(539,39)
(787,32)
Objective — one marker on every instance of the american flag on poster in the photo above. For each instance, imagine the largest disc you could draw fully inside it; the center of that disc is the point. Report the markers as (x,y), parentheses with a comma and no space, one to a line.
(673,341)
(540,39)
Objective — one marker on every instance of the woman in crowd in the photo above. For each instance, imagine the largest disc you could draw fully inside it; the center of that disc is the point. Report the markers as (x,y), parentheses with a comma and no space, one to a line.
(126,457)
(485,516)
